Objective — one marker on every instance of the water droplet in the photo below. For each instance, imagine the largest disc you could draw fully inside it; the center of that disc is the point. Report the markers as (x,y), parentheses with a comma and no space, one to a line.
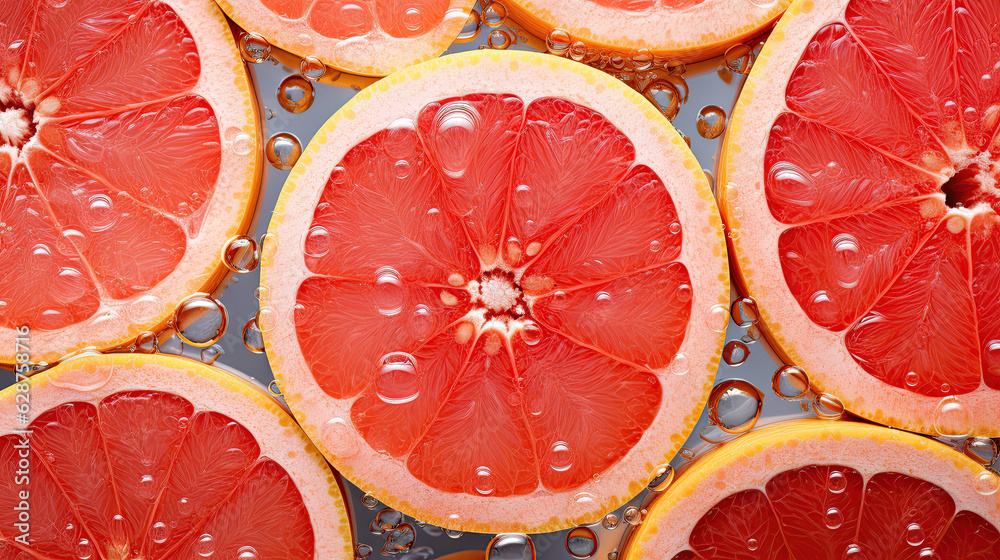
(711,122)
(911,379)
(914,535)
(483,481)
(147,486)
(684,293)
(717,318)
(205,545)
(674,228)
(454,132)
(981,450)
(511,546)
(253,339)
(560,456)
(283,150)
(268,245)
(837,482)
(389,293)
(744,311)
(240,254)
(254,48)
(735,406)
(369,501)
(679,365)
(739,58)
(339,438)
(159,532)
(581,542)
(828,407)
(735,352)
(952,418)
(247,553)
(200,320)
(752,544)
(401,169)
(578,51)
(495,14)
(661,478)
(100,214)
(84,550)
(853,552)
(471,28)
(642,60)
(558,41)
(296,94)
(317,242)
(312,68)
(834,519)
(531,334)
(632,516)
(987,483)
(687,453)
(398,379)
(184,506)
(453,534)
(790,382)
(610,522)
(498,39)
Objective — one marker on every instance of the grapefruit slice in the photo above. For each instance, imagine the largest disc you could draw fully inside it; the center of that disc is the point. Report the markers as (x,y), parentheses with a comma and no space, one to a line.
(496,291)
(674,30)
(134,456)
(365,37)
(859,187)
(127,159)
(826,490)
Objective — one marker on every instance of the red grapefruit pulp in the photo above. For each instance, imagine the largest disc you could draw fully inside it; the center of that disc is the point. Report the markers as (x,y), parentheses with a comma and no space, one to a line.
(156,457)
(860,188)
(127,159)
(504,312)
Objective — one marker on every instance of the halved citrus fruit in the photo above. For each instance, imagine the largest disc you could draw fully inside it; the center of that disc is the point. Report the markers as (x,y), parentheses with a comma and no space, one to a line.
(134,456)
(675,30)
(128,158)
(497,291)
(826,490)
(366,37)
(859,186)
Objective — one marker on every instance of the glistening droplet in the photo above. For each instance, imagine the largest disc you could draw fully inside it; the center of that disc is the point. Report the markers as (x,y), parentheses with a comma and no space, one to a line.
(735,406)
(581,542)
(296,94)
(790,382)
(510,546)
(200,320)
(283,150)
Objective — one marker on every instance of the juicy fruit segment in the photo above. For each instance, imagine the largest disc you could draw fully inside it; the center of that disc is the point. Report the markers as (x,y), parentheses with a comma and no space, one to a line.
(106,157)
(144,474)
(833,512)
(884,169)
(496,285)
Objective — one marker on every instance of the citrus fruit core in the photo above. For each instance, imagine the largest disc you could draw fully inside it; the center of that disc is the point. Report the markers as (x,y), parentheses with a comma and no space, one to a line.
(501,312)
(126,160)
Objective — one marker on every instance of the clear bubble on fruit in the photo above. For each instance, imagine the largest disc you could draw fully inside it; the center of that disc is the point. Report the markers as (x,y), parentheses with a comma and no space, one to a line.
(268,245)
(911,379)
(952,418)
(499,39)
(453,534)
(159,532)
(495,14)
(752,544)
(253,339)
(581,542)
(711,122)
(632,515)
(339,437)
(240,254)
(717,318)
(744,311)
(453,133)
(735,352)
(317,242)
(558,41)
(828,407)
(283,150)
(837,482)
(790,382)
(205,545)
(266,319)
(610,521)
(981,450)
(389,293)
(914,534)
(834,519)
(101,214)
(642,60)
(483,481)
(578,51)
(510,546)
(146,343)
(254,48)
(987,483)
(247,553)
(660,478)
(471,28)
(735,406)
(312,68)
(200,320)
(369,501)
(560,456)
(398,378)
(296,94)
(531,334)
(84,550)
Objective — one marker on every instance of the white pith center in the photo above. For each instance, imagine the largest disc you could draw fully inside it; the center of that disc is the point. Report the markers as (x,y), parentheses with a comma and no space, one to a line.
(14,126)
(497,294)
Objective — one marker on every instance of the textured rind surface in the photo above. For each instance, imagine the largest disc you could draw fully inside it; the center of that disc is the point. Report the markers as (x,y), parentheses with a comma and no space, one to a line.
(685,35)
(373,58)
(796,339)
(529,76)
(207,388)
(751,460)
(224,84)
